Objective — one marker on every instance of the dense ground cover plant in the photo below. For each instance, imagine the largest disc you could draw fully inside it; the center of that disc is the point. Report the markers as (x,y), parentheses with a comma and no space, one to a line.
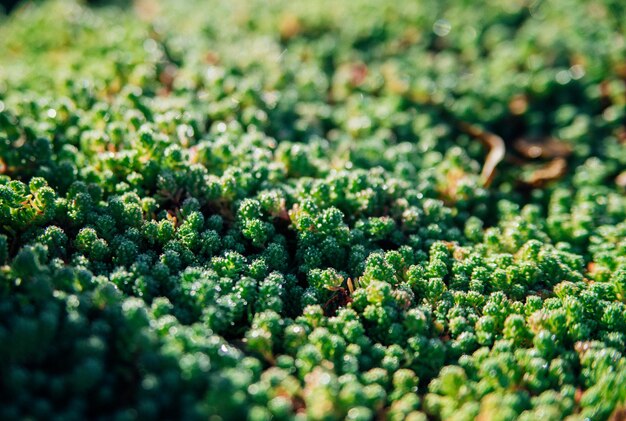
(279,210)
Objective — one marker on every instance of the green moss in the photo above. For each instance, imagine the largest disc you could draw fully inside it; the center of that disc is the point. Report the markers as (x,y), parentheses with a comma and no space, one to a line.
(278,210)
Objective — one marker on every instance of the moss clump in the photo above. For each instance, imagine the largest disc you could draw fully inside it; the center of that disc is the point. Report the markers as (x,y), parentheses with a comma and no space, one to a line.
(313,210)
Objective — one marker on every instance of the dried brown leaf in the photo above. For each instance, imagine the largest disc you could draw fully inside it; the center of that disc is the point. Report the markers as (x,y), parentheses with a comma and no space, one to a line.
(553,170)
(496,153)
(619,414)
(548,148)
(620,180)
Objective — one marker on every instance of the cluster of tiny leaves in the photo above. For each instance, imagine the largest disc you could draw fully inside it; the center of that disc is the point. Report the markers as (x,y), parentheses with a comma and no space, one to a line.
(271,210)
